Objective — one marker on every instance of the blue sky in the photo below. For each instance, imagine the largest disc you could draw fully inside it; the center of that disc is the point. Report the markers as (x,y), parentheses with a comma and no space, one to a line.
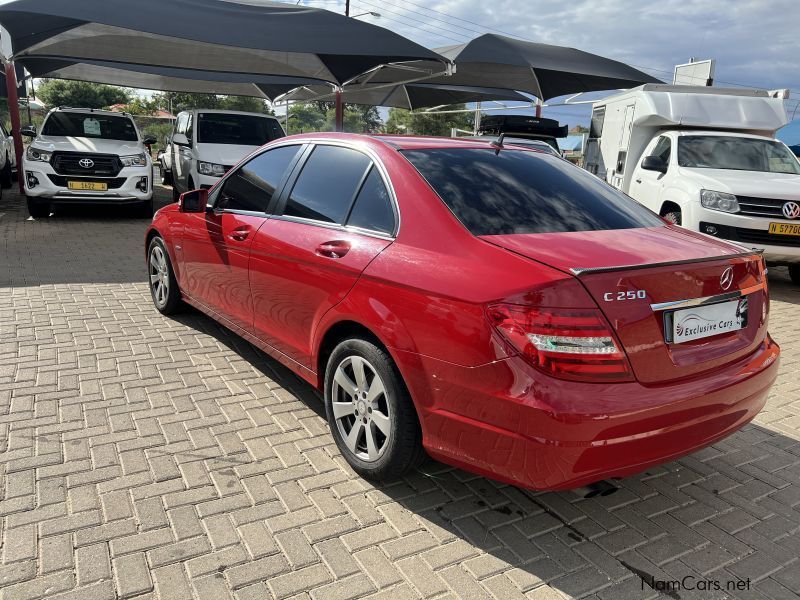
(755,43)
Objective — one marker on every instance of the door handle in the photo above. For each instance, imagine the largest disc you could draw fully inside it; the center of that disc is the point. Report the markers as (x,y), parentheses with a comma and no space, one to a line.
(239,235)
(334,249)
(638,181)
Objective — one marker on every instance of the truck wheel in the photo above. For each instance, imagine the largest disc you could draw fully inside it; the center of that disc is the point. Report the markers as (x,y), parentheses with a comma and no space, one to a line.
(673,216)
(166,176)
(176,195)
(6,176)
(370,413)
(794,274)
(38,209)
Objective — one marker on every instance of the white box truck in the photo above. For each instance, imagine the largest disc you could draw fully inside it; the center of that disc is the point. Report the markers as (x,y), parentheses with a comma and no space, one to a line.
(705,158)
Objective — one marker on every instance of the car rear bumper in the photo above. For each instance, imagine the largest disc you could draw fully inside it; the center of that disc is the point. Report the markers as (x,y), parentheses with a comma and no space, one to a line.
(509,422)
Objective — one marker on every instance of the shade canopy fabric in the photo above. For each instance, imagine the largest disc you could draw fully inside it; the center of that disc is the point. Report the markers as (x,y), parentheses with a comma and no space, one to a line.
(542,70)
(169,79)
(267,38)
(409,96)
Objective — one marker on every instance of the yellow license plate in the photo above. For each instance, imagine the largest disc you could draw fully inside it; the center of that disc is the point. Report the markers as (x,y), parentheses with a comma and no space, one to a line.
(784,228)
(94,186)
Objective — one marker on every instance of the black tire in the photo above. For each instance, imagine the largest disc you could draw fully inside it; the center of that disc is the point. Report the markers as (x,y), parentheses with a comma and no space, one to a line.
(6,175)
(38,209)
(166,176)
(402,449)
(794,274)
(145,209)
(176,195)
(674,216)
(169,302)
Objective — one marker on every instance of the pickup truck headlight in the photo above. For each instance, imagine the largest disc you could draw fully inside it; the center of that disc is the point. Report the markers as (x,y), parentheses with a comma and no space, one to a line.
(720,201)
(212,169)
(34,154)
(134,160)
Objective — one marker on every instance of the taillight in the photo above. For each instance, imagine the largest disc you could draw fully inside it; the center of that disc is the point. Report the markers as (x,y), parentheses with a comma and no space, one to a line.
(572,344)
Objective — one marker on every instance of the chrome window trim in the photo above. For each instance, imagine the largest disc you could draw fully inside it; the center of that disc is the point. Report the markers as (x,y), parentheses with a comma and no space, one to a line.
(687,303)
(334,226)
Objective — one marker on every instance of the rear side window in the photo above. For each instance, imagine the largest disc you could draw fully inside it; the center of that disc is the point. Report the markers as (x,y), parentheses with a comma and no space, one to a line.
(524,192)
(252,185)
(327,184)
(373,207)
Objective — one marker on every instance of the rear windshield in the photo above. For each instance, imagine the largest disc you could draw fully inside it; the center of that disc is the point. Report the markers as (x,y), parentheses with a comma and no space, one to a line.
(102,127)
(525,192)
(241,130)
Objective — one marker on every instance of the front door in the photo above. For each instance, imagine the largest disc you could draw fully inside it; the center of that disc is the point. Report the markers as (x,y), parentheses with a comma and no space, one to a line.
(647,186)
(217,244)
(336,219)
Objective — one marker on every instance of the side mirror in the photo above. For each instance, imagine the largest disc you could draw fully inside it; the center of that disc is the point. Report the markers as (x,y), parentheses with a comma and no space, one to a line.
(29,131)
(194,201)
(149,140)
(654,163)
(180,139)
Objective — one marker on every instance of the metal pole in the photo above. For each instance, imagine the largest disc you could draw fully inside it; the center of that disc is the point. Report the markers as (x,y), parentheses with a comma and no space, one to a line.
(477,125)
(339,111)
(286,127)
(16,125)
(347,8)
(538,109)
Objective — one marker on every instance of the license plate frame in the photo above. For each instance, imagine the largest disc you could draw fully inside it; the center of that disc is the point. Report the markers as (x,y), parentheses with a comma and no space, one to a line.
(701,322)
(87,186)
(790,229)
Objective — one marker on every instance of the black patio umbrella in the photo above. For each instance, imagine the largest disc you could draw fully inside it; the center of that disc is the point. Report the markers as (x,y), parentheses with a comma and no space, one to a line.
(268,38)
(542,70)
(410,96)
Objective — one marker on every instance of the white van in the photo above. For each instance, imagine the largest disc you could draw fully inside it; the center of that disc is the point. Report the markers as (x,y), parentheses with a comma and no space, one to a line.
(705,158)
(206,143)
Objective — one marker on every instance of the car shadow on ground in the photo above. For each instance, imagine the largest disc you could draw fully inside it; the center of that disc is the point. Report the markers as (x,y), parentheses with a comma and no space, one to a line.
(700,516)
(781,287)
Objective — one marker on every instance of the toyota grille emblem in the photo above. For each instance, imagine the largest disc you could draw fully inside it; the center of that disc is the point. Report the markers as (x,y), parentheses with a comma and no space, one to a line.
(791,210)
(88,163)
(726,279)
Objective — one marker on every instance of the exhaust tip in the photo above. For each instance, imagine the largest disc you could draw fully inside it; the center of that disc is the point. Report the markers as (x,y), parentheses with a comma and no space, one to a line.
(598,488)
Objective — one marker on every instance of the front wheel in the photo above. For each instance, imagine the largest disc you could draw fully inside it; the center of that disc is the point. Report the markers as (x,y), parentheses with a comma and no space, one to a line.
(794,274)
(370,412)
(673,216)
(163,285)
(166,176)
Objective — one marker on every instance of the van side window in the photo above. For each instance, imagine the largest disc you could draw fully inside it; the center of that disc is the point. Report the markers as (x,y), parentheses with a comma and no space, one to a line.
(663,148)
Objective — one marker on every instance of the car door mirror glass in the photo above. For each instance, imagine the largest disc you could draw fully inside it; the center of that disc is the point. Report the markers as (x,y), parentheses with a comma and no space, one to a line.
(194,201)
(654,163)
(149,140)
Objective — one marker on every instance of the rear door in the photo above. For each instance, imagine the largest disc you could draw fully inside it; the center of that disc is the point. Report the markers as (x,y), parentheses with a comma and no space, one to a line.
(334,218)
(216,244)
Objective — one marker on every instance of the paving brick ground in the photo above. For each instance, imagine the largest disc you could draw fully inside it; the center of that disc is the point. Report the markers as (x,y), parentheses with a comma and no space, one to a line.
(148,457)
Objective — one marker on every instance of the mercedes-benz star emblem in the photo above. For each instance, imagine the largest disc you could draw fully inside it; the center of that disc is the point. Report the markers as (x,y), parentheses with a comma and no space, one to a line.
(791,210)
(726,279)
(86,163)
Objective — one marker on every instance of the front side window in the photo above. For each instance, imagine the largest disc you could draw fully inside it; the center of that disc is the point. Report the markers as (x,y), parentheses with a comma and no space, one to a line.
(514,191)
(90,125)
(327,184)
(239,130)
(180,126)
(252,185)
(736,153)
(663,149)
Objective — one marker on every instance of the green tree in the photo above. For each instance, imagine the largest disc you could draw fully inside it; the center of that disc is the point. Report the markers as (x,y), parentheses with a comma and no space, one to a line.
(306,117)
(246,104)
(142,106)
(83,94)
(422,123)
(176,102)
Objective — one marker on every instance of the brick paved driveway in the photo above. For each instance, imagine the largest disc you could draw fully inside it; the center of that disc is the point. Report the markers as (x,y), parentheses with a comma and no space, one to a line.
(147,457)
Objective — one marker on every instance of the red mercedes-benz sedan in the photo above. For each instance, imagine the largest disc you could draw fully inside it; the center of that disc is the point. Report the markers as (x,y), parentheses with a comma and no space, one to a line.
(495,306)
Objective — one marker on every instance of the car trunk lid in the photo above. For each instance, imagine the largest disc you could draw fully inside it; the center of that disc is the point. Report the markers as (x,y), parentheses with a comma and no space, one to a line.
(638,276)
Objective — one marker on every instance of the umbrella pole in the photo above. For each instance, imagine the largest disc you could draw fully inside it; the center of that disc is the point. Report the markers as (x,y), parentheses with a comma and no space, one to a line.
(16,124)
(538,108)
(339,111)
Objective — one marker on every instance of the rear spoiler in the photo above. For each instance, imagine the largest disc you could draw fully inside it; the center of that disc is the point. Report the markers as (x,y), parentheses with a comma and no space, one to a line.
(577,271)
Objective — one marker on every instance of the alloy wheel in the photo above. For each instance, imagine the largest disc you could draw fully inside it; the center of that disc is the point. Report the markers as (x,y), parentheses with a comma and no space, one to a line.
(159,276)
(361,408)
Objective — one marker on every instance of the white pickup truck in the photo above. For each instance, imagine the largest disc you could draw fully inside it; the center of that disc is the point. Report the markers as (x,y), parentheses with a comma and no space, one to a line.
(705,158)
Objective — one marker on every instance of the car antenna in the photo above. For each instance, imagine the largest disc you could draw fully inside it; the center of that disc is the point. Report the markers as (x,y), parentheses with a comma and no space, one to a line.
(498,144)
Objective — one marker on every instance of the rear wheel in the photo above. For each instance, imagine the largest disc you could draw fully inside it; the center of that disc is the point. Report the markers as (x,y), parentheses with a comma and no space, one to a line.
(794,274)
(370,412)
(163,285)
(38,209)
(166,176)
(6,176)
